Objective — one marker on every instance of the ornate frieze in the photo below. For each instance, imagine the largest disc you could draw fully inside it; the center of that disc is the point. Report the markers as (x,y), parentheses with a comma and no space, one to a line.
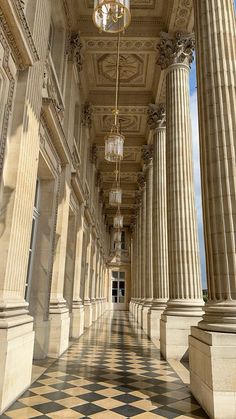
(177,49)
(86,115)
(156,115)
(14,10)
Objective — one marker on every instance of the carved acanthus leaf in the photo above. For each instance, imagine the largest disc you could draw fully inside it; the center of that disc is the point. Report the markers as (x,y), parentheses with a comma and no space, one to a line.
(93,154)
(86,115)
(156,115)
(141,180)
(175,49)
(76,51)
(147,153)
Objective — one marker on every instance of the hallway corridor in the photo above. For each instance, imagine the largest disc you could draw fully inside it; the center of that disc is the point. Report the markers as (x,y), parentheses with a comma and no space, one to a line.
(113,371)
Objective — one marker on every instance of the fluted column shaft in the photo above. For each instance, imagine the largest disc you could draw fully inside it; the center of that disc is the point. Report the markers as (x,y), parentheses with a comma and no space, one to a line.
(140,254)
(149,269)
(143,244)
(183,250)
(160,245)
(216,72)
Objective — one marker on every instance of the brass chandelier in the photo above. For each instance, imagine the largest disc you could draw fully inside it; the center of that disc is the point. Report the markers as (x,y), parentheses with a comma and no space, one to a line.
(111,16)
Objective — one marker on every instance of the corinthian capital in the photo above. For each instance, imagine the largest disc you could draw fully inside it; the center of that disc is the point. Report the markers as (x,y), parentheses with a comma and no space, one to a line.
(75,50)
(177,49)
(156,116)
(86,116)
(147,153)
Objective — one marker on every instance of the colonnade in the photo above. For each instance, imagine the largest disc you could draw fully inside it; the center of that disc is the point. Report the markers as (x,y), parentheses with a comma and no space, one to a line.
(177,314)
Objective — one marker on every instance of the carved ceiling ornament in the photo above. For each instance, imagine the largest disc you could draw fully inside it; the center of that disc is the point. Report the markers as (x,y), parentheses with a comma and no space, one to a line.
(86,115)
(177,49)
(156,115)
(75,51)
(183,13)
(131,67)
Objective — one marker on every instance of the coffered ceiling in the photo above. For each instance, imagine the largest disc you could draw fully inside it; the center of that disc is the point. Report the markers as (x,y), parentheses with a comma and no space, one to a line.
(141,83)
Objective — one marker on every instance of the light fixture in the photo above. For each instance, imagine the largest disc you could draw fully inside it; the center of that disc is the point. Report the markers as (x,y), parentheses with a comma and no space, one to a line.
(114,146)
(115,196)
(118,220)
(111,16)
(117,236)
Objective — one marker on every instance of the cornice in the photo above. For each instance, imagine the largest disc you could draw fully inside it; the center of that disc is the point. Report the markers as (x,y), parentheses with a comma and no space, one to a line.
(52,121)
(18,34)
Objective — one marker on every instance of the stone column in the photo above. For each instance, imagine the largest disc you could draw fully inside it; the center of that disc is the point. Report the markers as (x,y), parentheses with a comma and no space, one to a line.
(147,158)
(184,307)
(157,122)
(93,285)
(213,342)
(87,302)
(142,186)
(77,316)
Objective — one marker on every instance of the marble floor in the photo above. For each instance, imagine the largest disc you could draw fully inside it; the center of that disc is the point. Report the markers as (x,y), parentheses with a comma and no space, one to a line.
(113,371)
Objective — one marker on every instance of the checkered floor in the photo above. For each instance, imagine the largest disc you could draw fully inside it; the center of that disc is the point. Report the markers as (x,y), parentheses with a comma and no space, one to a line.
(113,371)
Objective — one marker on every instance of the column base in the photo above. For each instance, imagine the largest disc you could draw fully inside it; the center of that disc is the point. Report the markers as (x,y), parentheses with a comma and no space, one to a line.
(94,310)
(59,329)
(41,329)
(16,355)
(77,320)
(212,357)
(174,332)
(88,319)
(154,322)
(139,312)
(146,316)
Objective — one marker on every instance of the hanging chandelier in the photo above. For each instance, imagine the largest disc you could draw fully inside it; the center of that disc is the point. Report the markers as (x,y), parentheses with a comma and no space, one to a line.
(115,196)
(118,220)
(117,236)
(114,146)
(111,16)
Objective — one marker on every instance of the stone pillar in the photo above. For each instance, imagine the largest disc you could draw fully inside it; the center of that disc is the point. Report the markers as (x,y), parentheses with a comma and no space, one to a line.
(147,158)
(157,122)
(77,315)
(87,302)
(184,307)
(139,260)
(142,186)
(17,199)
(213,342)
(98,284)
(94,270)
(59,319)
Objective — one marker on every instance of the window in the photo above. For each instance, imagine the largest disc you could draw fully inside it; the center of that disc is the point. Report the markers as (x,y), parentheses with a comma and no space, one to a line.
(123,240)
(118,287)
(32,241)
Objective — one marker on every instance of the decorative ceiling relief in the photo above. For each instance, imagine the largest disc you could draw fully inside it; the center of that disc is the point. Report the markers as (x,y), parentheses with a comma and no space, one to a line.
(183,14)
(129,123)
(131,67)
(125,44)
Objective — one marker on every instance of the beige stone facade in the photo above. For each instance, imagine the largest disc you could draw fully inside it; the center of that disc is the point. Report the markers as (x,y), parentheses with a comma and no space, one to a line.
(59,272)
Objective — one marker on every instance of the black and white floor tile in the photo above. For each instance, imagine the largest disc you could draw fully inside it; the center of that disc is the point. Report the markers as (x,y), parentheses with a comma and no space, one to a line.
(113,372)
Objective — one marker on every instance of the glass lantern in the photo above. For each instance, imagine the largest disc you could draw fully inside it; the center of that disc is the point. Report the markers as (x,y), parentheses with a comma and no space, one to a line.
(111,16)
(118,221)
(117,237)
(114,143)
(115,196)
